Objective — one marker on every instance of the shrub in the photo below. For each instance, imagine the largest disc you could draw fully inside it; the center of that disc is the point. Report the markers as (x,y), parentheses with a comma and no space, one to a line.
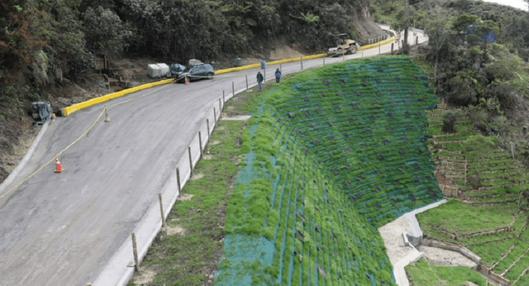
(449,122)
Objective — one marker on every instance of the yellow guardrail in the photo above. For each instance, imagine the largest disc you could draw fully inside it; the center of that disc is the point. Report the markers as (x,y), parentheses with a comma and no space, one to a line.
(69,110)
(370,46)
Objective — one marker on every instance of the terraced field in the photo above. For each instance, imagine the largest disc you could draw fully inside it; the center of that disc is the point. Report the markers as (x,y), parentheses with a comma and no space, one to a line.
(488,214)
(332,154)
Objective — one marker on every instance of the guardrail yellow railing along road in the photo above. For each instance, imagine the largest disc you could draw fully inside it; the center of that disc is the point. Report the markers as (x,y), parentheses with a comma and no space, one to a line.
(69,110)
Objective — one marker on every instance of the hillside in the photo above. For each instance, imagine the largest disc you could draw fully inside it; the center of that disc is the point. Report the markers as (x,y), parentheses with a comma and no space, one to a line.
(317,180)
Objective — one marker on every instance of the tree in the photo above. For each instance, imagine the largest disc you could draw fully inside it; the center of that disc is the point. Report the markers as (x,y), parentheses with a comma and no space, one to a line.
(105,32)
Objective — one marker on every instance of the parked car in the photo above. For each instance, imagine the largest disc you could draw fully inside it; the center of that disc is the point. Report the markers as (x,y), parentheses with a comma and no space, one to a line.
(197,72)
(177,70)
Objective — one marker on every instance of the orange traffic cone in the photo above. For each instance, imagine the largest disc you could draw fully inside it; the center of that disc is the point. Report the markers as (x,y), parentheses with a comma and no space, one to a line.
(58,166)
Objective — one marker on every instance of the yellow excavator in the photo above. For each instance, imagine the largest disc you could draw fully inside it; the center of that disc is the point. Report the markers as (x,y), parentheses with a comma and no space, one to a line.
(344,46)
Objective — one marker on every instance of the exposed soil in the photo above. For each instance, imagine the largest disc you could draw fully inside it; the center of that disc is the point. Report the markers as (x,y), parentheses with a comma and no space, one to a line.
(446,257)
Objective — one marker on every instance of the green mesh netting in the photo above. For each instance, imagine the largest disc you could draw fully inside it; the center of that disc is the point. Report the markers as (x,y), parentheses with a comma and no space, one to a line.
(335,153)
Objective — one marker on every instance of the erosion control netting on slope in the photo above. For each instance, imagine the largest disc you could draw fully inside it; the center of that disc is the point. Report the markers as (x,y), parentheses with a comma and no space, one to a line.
(334,153)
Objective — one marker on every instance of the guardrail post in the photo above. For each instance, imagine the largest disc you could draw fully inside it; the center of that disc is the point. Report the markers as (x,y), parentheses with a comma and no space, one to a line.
(200,143)
(135,252)
(107,117)
(223,99)
(416,40)
(178,180)
(220,105)
(247,86)
(161,210)
(214,114)
(264,75)
(190,161)
(233,89)
(207,125)
(392,47)
(301,62)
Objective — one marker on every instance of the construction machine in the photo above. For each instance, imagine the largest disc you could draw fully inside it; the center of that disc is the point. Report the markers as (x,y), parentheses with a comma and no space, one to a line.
(344,46)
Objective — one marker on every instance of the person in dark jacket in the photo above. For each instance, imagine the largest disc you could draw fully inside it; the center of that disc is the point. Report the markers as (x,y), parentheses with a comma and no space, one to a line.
(278,75)
(260,79)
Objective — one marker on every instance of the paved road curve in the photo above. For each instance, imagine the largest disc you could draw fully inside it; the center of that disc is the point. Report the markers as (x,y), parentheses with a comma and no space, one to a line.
(64,229)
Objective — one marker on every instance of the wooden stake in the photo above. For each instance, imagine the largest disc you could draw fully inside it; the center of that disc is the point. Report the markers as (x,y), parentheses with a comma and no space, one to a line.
(200,143)
(161,210)
(215,114)
(190,161)
(135,252)
(247,86)
(178,180)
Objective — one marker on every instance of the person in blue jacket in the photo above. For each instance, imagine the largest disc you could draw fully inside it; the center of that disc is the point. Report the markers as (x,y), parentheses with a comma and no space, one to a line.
(278,75)
(260,79)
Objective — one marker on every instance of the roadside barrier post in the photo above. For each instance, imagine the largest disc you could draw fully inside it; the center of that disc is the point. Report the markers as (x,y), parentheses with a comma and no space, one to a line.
(200,143)
(232,89)
(379,48)
(190,161)
(301,62)
(207,125)
(135,252)
(161,210)
(107,117)
(223,99)
(178,180)
(214,114)
(416,40)
(247,86)
(392,47)
(220,105)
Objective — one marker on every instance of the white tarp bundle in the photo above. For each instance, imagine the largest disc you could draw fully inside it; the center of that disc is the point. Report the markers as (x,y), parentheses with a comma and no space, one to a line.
(157,70)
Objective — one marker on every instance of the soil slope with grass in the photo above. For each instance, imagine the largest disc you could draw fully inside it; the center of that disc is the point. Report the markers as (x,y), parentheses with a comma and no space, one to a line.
(331,154)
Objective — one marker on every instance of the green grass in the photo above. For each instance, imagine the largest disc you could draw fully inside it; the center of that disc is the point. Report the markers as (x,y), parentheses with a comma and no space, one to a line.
(423,273)
(465,219)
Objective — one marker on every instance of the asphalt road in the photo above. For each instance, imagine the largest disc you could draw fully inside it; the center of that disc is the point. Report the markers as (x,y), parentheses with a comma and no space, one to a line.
(63,229)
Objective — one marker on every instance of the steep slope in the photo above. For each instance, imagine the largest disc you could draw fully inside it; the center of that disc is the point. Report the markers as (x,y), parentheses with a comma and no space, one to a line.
(332,154)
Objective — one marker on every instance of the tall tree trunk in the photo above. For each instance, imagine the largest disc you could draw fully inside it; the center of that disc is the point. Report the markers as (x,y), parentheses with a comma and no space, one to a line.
(405,46)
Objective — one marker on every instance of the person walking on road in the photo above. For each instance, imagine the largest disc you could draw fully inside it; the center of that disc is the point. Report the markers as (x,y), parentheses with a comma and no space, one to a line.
(260,79)
(278,75)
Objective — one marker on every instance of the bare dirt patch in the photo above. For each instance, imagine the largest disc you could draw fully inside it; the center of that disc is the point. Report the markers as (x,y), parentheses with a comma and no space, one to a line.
(185,197)
(175,230)
(197,176)
(446,257)
(144,277)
